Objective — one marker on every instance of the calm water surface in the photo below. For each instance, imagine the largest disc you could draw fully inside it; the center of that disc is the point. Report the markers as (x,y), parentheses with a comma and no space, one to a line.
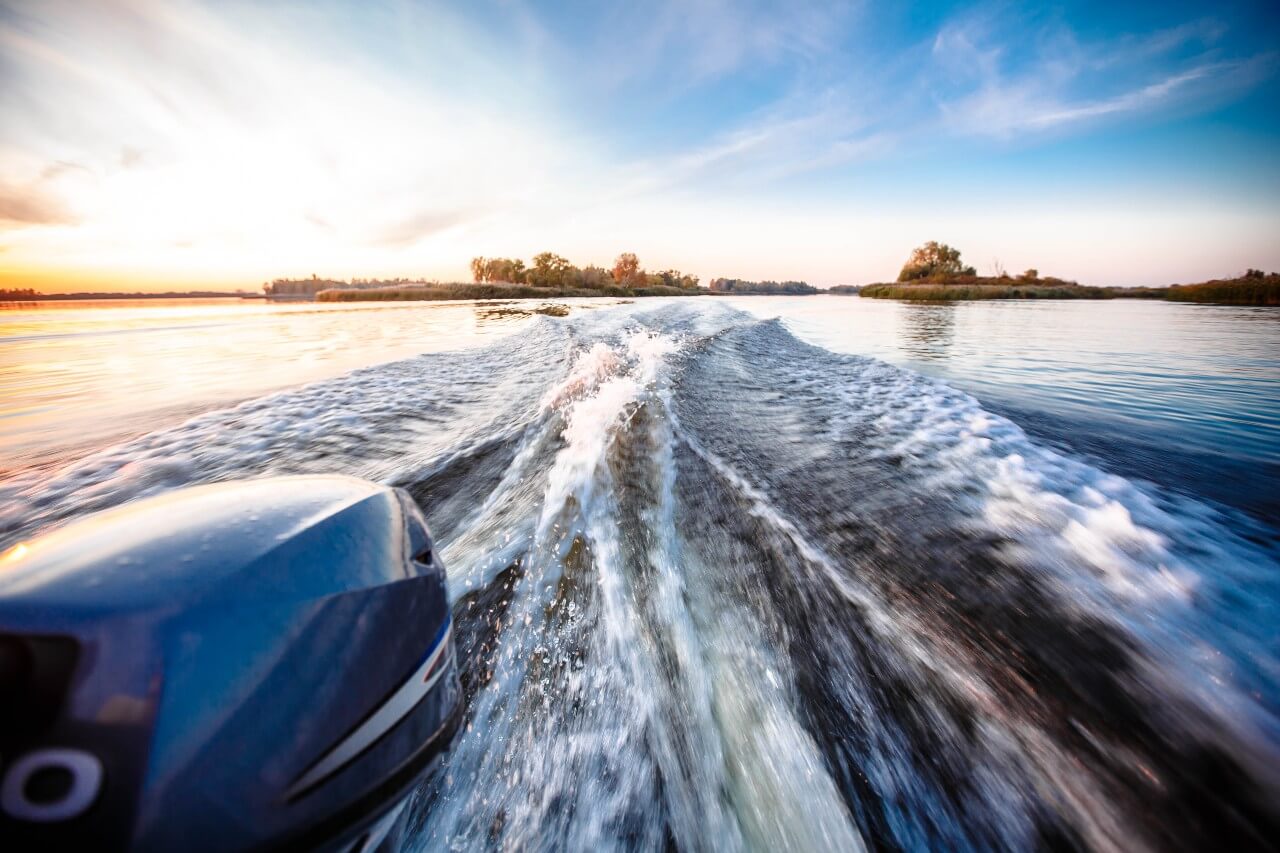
(75,373)
(761,573)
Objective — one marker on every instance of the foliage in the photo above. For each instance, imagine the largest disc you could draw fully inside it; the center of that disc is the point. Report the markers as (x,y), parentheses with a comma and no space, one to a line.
(1252,288)
(626,269)
(550,270)
(948,292)
(757,288)
(934,261)
(671,278)
(593,277)
(498,270)
(429,292)
(844,289)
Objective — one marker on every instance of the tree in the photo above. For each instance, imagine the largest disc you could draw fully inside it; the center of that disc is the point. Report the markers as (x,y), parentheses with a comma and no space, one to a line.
(936,261)
(626,269)
(594,277)
(675,278)
(549,270)
(498,269)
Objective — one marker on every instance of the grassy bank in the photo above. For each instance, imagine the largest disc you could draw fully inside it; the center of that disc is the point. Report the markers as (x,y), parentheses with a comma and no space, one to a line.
(492,291)
(948,292)
(1249,290)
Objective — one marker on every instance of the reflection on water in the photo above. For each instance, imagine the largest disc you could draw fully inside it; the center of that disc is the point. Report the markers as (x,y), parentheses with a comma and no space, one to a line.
(1184,395)
(77,373)
(1187,396)
(718,588)
(929,330)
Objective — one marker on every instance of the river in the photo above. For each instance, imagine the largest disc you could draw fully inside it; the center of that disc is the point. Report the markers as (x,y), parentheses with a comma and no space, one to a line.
(761,573)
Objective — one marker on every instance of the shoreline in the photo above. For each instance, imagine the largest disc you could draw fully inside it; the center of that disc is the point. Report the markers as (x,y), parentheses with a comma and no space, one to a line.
(440,293)
(1249,291)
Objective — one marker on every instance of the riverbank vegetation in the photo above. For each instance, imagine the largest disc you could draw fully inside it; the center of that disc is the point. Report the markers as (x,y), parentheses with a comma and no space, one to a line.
(1253,288)
(984,289)
(935,273)
(546,275)
(549,270)
(935,262)
(427,292)
(739,287)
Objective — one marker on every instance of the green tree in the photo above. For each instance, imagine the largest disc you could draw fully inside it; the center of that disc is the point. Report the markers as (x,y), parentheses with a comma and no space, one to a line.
(675,278)
(594,277)
(549,270)
(936,261)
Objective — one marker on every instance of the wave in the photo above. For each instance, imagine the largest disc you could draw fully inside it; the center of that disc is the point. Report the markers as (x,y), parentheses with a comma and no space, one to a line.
(718,588)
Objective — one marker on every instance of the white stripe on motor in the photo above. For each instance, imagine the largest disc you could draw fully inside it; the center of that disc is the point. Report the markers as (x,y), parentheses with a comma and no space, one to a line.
(380,722)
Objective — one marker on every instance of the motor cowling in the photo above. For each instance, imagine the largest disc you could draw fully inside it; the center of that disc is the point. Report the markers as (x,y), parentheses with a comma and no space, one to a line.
(262,664)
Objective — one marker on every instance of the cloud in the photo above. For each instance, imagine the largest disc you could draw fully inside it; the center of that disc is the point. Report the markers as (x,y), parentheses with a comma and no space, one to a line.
(997,82)
(29,207)
(419,226)
(251,133)
(131,157)
(786,140)
(58,168)
(690,42)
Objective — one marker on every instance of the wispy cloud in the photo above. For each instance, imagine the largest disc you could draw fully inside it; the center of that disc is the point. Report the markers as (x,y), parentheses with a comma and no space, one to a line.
(692,41)
(393,137)
(420,225)
(174,120)
(1055,81)
(29,206)
(786,140)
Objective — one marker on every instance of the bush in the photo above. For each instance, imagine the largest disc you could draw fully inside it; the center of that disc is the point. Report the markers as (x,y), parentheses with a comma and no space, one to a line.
(952,292)
(934,261)
(1246,290)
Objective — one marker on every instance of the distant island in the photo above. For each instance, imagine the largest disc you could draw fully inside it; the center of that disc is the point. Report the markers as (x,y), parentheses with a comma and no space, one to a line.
(936,273)
(28,294)
(738,287)
(548,275)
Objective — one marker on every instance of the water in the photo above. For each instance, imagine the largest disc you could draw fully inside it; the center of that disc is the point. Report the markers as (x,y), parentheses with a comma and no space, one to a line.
(726,581)
(74,374)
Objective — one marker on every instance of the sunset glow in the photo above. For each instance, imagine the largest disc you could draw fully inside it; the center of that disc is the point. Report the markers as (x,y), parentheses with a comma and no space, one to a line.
(150,145)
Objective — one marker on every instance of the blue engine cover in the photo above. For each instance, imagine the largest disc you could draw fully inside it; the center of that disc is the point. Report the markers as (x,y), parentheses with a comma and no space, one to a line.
(243,665)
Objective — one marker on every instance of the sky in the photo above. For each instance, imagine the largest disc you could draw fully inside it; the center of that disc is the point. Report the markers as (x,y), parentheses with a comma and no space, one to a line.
(149,145)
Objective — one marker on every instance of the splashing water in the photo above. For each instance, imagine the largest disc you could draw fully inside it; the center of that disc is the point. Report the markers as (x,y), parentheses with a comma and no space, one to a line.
(717,588)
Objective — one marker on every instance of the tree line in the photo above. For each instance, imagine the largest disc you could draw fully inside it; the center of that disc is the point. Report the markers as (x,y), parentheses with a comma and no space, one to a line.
(737,285)
(551,270)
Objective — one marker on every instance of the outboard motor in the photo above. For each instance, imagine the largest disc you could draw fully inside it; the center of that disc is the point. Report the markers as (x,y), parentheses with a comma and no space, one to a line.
(255,665)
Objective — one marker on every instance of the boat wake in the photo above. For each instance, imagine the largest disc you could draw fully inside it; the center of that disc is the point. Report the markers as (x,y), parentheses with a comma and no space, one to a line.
(717,588)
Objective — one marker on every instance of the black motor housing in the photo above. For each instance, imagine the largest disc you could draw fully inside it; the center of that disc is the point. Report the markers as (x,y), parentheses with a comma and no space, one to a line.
(256,665)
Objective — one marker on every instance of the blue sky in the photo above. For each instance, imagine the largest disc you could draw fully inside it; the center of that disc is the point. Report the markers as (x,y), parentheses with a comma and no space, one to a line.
(149,144)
